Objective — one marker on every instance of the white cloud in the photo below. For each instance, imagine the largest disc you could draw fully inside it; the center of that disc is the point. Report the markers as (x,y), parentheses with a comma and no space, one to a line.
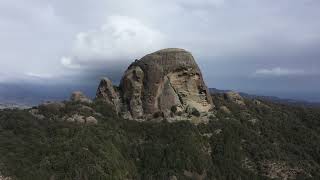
(35,77)
(120,39)
(39,75)
(278,71)
(68,62)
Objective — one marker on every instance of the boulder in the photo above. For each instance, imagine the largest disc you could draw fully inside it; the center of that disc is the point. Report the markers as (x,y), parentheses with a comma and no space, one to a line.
(173,178)
(253,121)
(235,98)
(225,110)
(76,118)
(257,102)
(78,96)
(53,107)
(158,83)
(91,120)
(35,113)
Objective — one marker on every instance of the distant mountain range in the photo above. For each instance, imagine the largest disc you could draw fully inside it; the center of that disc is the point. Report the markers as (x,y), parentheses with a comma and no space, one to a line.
(271,98)
(14,106)
(27,95)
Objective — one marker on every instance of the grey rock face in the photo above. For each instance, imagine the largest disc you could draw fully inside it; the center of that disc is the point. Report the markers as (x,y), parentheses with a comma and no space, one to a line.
(132,87)
(160,83)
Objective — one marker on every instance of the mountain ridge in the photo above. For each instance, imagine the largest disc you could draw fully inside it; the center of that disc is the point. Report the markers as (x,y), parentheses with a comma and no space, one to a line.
(274,99)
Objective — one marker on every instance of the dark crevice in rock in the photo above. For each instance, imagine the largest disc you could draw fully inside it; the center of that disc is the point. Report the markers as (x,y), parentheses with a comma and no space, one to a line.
(180,98)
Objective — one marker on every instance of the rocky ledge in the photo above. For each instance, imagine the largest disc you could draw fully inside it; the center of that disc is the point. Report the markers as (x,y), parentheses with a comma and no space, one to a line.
(166,84)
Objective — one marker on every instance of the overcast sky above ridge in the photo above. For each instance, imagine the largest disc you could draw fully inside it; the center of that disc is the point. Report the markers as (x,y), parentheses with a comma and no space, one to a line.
(258,46)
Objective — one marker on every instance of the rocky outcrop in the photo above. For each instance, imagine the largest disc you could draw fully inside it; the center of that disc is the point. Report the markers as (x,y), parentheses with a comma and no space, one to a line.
(235,98)
(166,84)
(78,96)
(76,118)
(4,178)
(225,110)
(107,92)
(54,107)
(35,113)
(91,120)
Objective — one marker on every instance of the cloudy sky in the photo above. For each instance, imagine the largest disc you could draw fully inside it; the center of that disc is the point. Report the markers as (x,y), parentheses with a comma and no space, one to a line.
(266,47)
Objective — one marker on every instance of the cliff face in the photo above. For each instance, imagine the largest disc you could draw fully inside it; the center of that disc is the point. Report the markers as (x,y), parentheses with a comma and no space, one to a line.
(166,84)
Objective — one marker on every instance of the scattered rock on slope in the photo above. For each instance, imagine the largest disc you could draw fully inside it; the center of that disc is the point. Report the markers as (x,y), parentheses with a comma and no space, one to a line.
(76,118)
(157,84)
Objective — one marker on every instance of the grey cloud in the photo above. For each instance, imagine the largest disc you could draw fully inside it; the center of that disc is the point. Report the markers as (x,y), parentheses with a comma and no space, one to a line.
(278,71)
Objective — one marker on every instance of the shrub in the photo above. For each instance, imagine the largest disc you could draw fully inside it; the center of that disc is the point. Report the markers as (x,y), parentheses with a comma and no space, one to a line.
(174,109)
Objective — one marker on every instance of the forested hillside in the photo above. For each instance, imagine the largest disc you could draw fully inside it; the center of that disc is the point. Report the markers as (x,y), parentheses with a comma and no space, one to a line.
(259,140)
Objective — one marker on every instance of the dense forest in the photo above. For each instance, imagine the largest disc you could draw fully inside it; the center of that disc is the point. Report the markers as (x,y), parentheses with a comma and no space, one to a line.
(261,140)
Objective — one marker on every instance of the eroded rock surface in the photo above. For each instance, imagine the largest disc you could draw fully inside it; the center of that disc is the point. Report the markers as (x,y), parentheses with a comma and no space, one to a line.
(166,84)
